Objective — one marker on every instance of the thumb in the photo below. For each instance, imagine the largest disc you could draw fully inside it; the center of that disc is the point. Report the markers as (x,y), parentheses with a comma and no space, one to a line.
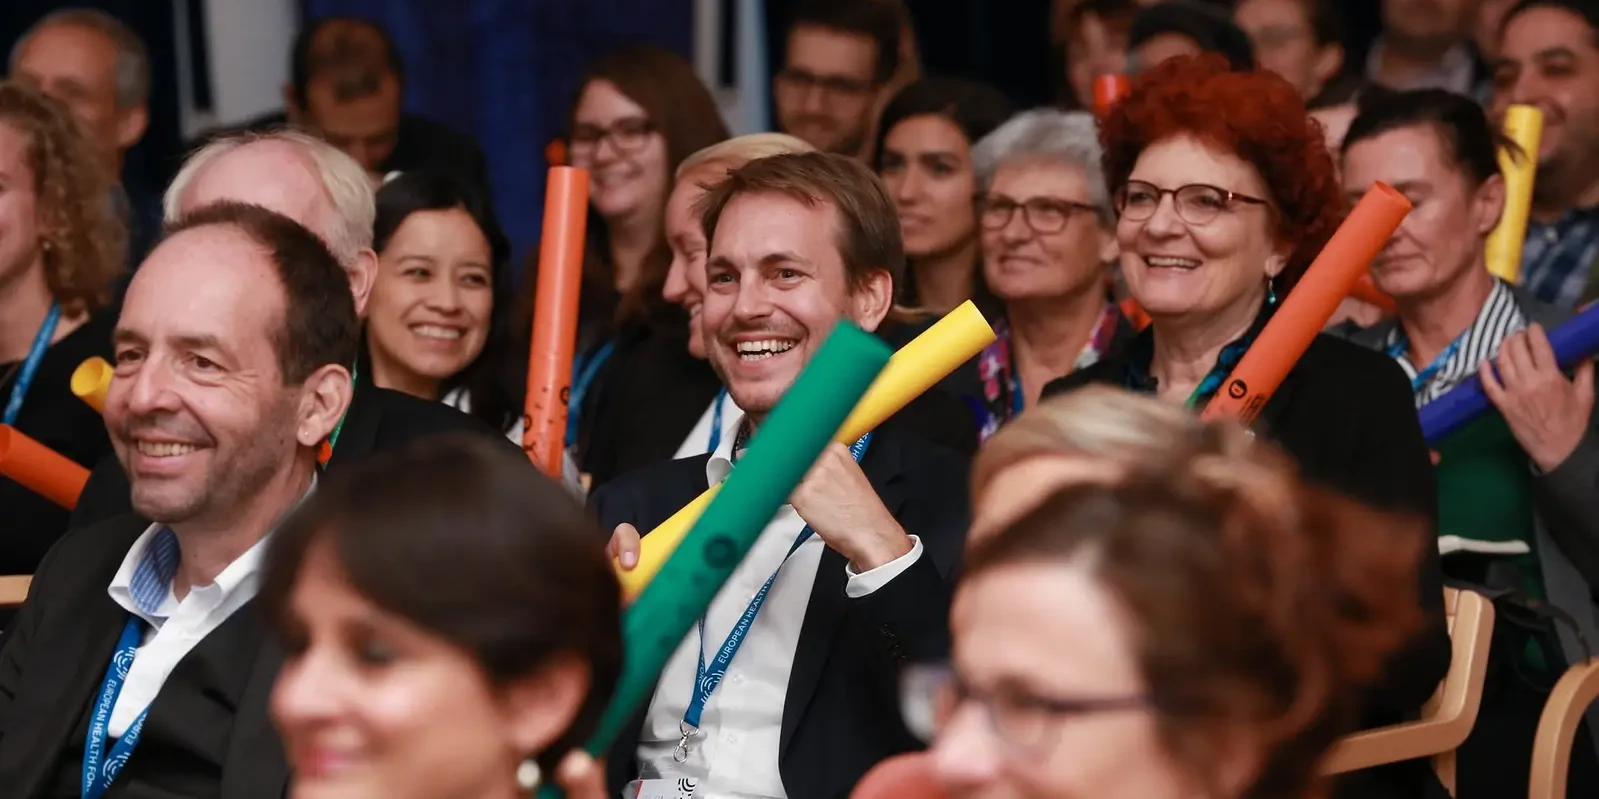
(1583,378)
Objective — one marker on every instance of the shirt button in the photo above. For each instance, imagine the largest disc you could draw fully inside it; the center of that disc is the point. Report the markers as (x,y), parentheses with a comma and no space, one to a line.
(730,738)
(737,680)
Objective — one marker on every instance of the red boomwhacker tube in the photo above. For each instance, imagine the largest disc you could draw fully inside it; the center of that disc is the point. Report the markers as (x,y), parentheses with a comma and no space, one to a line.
(40,469)
(1310,304)
(907,776)
(1108,89)
(549,365)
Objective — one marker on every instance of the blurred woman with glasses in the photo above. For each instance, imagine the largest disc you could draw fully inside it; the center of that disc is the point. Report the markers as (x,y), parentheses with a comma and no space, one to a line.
(1047,244)
(1225,192)
(1203,630)
(639,111)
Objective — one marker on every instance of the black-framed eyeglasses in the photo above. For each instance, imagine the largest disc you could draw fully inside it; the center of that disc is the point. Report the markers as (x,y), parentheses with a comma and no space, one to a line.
(627,135)
(838,86)
(1043,215)
(1196,203)
(931,695)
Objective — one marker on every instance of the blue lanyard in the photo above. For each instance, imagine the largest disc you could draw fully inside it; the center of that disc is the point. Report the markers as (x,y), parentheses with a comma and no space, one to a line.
(1426,375)
(716,420)
(706,680)
(583,373)
(97,777)
(41,342)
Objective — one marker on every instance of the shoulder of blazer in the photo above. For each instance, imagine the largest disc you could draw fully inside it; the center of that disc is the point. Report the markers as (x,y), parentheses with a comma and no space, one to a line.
(1537,310)
(86,558)
(646,496)
(1340,379)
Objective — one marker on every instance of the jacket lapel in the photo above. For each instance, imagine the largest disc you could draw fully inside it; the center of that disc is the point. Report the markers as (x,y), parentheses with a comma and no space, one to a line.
(883,466)
(256,767)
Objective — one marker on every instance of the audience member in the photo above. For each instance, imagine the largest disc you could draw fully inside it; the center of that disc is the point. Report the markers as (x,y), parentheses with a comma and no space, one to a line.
(925,159)
(422,663)
(1425,44)
(865,585)
(437,324)
(839,58)
(1252,197)
(323,189)
(1549,58)
(100,69)
(60,249)
(1203,631)
(1048,240)
(1093,37)
(1301,40)
(1516,506)
(1186,27)
(139,632)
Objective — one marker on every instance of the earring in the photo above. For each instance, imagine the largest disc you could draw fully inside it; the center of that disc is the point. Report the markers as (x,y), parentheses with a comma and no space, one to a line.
(528,775)
(1271,291)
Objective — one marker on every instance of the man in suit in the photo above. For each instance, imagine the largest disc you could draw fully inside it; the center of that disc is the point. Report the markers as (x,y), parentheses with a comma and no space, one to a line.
(137,637)
(314,184)
(860,563)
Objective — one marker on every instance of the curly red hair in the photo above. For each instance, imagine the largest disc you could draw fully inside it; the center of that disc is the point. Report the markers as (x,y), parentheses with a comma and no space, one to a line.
(1257,116)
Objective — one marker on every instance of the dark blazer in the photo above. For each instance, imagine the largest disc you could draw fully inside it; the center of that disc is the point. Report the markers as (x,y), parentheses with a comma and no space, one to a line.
(1348,418)
(207,732)
(379,419)
(841,715)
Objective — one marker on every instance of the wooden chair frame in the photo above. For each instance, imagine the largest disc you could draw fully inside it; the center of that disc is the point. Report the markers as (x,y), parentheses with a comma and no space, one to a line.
(13,590)
(1557,729)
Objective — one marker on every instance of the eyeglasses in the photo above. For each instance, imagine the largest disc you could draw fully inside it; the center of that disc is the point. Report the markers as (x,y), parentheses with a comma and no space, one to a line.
(627,135)
(833,86)
(1196,203)
(1043,215)
(931,695)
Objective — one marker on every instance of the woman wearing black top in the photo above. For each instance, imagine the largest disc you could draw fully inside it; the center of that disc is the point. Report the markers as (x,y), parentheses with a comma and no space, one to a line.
(61,245)
(1224,192)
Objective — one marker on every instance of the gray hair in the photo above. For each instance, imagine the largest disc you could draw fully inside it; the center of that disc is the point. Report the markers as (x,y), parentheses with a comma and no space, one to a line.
(344,181)
(1068,137)
(133,59)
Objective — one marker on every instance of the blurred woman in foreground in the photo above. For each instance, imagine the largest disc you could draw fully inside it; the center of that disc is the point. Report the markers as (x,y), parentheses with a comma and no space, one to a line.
(449,628)
(1205,630)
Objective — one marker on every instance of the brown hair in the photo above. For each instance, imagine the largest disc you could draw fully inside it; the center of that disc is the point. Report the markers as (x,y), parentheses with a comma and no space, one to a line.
(529,583)
(1259,605)
(868,225)
(84,241)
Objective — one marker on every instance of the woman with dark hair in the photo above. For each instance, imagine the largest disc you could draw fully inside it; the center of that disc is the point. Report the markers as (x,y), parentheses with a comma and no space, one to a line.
(1224,191)
(924,156)
(437,318)
(638,112)
(423,662)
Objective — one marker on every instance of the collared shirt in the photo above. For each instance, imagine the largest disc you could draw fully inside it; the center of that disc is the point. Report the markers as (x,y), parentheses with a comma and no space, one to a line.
(734,756)
(698,441)
(143,586)
(1455,72)
(1499,317)
(1558,258)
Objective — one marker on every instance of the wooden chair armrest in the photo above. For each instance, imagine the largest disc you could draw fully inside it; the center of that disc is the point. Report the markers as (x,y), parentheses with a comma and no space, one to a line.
(1557,729)
(1396,743)
(14,590)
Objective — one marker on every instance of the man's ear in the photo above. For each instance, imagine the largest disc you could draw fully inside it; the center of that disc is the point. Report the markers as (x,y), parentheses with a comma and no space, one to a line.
(871,301)
(363,273)
(325,398)
(131,124)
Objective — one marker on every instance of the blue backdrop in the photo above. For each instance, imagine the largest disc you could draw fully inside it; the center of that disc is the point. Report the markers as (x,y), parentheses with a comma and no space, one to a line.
(504,71)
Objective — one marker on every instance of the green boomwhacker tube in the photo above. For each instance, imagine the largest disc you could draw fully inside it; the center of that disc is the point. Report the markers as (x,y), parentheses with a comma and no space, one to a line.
(779,455)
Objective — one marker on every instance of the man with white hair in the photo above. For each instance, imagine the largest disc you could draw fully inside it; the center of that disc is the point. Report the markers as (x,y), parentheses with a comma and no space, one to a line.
(326,191)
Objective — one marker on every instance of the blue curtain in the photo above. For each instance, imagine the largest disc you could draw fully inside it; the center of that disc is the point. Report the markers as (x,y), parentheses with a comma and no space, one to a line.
(505,71)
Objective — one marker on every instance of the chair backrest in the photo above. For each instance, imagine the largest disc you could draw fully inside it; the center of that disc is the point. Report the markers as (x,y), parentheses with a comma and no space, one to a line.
(13,590)
(1577,689)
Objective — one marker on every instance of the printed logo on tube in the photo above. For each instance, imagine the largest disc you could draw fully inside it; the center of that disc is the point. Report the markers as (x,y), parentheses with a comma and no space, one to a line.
(1237,389)
(719,551)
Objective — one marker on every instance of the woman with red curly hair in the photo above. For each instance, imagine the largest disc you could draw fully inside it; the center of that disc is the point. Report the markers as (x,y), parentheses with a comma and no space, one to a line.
(1225,191)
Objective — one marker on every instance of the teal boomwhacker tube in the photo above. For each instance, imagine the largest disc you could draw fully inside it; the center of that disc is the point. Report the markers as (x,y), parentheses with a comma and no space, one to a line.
(779,455)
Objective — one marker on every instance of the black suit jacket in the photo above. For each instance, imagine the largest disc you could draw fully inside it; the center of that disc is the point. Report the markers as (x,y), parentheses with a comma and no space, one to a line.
(1348,418)
(207,732)
(378,419)
(841,715)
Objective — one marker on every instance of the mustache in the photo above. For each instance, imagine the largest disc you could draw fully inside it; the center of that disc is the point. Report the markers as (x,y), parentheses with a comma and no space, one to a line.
(734,328)
(163,425)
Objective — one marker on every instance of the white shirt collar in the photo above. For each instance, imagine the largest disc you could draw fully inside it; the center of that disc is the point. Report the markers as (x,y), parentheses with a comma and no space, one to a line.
(720,464)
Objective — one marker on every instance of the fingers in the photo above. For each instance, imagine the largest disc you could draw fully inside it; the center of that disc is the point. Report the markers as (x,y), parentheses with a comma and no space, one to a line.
(624,546)
(1582,381)
(1538,347)
(580,776)
(1515,360)
(1491,385)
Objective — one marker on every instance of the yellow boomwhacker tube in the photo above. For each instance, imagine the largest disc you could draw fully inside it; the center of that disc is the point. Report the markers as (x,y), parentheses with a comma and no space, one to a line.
(90,382)
(1524,126)
(917,367)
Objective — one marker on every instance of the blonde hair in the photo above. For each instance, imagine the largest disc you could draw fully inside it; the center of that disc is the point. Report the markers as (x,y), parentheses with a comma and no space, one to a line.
(343,181)
(740,150)
(1101,422)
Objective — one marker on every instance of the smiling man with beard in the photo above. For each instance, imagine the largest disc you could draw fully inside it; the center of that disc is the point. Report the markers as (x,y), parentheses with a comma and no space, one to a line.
(859,565)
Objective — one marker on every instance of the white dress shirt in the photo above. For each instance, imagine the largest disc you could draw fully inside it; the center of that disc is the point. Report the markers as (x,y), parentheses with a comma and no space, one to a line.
(699,439)
(734,755)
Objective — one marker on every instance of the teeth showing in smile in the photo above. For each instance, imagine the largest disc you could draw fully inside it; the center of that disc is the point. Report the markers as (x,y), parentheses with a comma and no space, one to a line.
(1166,262)
(436,332)
(760,350)
(164,449)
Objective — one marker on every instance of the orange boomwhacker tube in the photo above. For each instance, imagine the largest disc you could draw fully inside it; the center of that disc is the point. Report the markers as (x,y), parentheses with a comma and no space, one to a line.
(40,469)
(549,365)
(1311,303)
(1108,89)
(1366,291)
(90,382)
